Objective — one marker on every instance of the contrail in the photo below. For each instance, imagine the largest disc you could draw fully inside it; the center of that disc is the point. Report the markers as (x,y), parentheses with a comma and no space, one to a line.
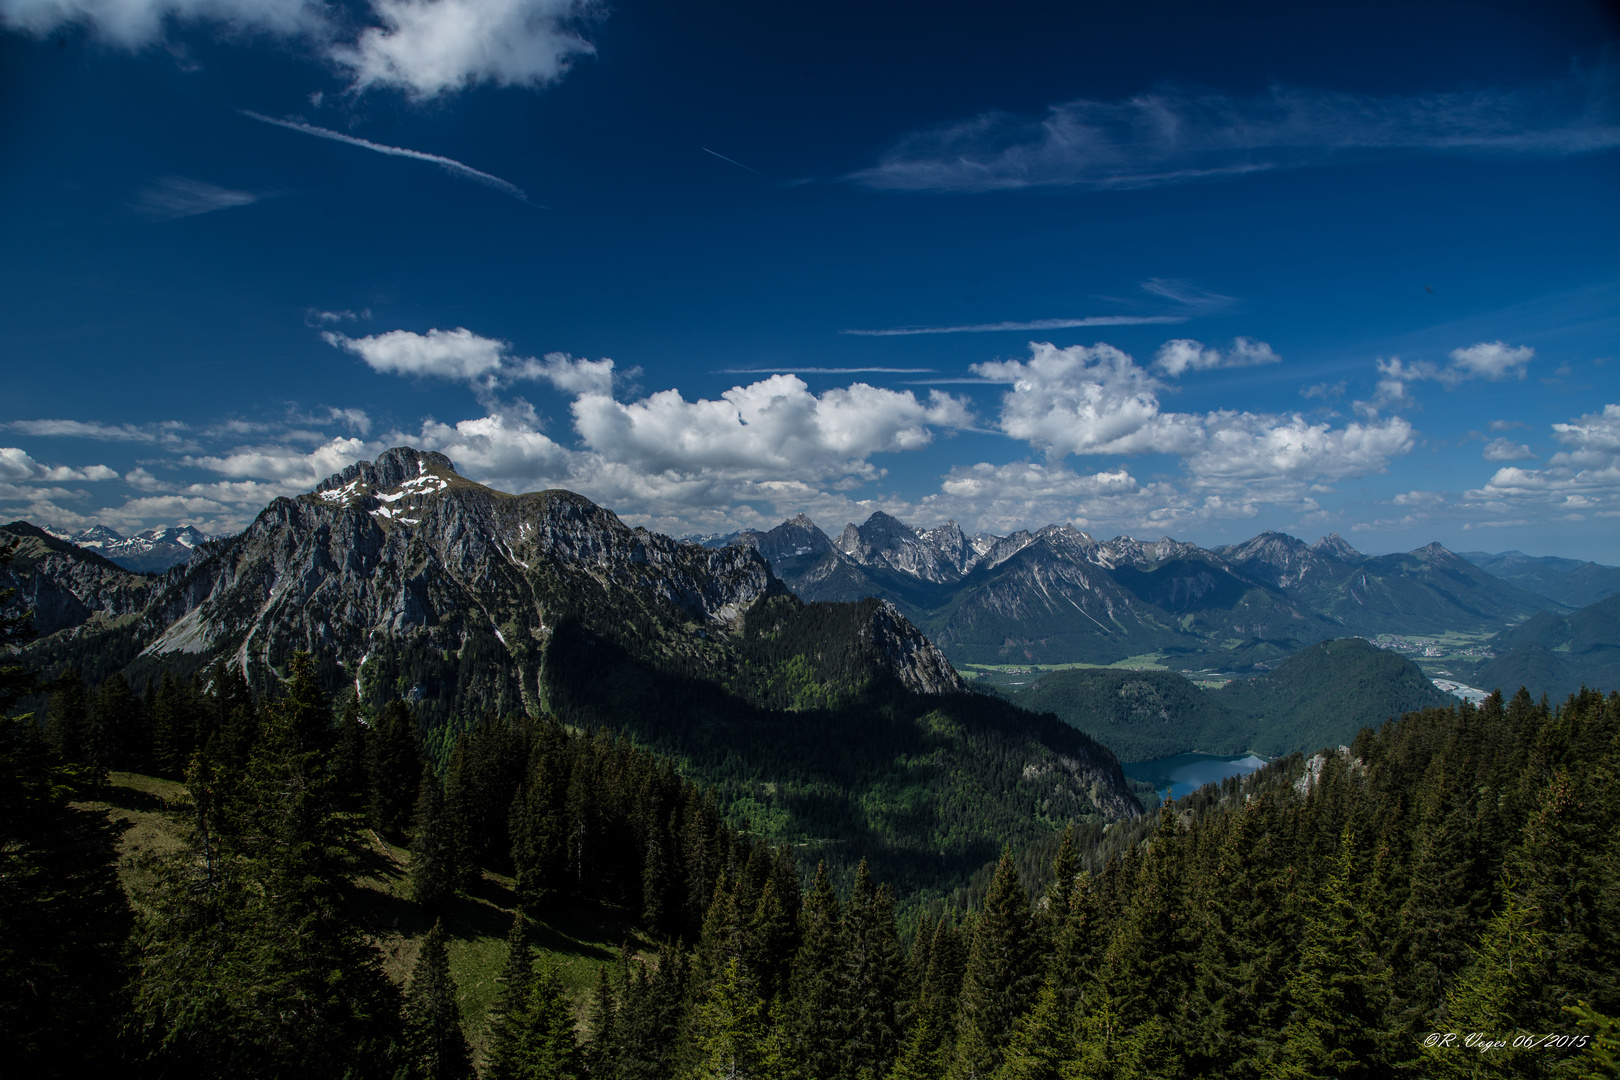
(449,165)
(1038,324)
(739,164)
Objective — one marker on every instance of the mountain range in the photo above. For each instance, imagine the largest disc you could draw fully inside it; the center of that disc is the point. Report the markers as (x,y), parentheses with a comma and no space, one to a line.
(154,550)
(1569,582)
(838,726)
(1058,595)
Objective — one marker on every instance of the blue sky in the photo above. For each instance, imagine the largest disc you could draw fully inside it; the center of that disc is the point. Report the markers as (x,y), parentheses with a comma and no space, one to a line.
(1153,269)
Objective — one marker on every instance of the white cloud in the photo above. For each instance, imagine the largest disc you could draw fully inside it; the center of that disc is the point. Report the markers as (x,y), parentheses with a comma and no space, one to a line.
(1171,137)
(431,47)
(132,24)
(1583,477)
(570,375)
(1082,400)
(1245,448)
(1500,449)
(1177,357)
(18,464)
(165,432)
(1325,390)
(278,462)
(773,426)
(177,197)
(1492,360)
(448,354)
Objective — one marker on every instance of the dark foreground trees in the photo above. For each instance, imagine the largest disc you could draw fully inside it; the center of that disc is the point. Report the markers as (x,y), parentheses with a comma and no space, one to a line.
(1457,871)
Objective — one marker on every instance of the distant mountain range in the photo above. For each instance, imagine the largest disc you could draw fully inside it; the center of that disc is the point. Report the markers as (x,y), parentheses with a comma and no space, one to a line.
(1057,595)
(1569,582)
(152,551)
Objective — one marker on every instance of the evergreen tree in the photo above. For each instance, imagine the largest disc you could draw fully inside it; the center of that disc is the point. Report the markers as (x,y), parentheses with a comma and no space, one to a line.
(251,965)
(1001,979)
(68,720)
(396,770)
(1337,994)
(874,967)
(432,1017)
(816,1019)
(506,1015)
(64,958)
(1493,997)
(433,855)
(734,1040)
(546,1048)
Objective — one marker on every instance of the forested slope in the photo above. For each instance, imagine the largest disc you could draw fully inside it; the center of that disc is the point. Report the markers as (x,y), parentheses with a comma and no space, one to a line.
(1322,695)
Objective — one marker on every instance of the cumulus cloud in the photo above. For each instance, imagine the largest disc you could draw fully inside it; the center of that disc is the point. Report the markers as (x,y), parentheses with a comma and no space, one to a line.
(1242,449)
(1082,400)
(431,47)
(1582,478)
(1175,358)
(177,197)
(18,464)
(1492,360)
(773,426)
(456,354)
(1175,136)
(1500,449)
(425,48)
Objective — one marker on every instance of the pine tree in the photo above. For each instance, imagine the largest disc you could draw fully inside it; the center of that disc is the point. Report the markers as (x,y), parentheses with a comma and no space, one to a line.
(734,1040)
(816,1020)
(1338,994)
(1494,996)
(546,1048)
(602,1052)
(433,856)
(1002,976)
(432,1017)
(64,961)
(396,770)
(69,716)
(874,968)
(506,1015)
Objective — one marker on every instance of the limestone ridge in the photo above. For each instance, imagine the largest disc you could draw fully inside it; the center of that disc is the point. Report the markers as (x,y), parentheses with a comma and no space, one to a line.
(406,550)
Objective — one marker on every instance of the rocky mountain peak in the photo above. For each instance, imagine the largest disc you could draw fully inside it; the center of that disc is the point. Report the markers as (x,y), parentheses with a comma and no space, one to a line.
(1335,546)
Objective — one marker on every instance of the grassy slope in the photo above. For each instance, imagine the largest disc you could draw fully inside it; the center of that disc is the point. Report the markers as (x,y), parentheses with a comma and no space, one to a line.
(577,938)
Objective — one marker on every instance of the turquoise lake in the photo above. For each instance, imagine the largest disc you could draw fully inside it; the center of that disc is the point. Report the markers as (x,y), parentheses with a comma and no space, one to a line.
(1173,777)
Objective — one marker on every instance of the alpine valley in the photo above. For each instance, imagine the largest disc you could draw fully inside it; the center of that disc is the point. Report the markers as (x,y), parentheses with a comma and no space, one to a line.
(404,715)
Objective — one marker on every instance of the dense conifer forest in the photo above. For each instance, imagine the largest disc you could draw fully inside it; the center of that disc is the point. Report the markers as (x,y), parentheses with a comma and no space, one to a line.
(1451,876)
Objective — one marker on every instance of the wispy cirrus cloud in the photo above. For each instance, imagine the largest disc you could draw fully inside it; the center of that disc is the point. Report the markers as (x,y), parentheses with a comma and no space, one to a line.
(1175,136)
(788,368)
(167,432)
(1033,324)
(175,197)
(449,165)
